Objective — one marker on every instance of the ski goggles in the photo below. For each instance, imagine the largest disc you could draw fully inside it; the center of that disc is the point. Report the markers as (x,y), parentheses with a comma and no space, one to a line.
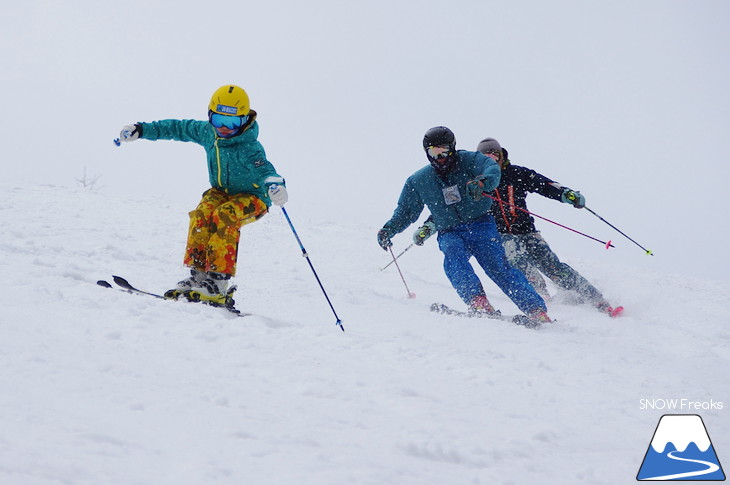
(439,151)
(227,121)
(496,154)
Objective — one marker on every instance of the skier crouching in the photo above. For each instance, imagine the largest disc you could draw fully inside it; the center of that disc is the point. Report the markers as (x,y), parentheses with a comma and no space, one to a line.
(451,187)
(243,182)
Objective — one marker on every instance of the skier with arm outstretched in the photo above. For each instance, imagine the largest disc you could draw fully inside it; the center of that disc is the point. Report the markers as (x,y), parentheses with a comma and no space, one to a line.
(244,184)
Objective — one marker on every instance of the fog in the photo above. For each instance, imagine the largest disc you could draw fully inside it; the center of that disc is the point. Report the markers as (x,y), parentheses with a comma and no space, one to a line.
(625,101)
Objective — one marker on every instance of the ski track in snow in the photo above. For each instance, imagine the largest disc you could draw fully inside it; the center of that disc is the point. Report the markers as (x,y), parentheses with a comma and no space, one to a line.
(102,387)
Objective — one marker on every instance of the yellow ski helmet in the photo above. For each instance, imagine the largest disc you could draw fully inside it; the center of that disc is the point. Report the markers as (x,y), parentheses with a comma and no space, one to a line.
(230,100)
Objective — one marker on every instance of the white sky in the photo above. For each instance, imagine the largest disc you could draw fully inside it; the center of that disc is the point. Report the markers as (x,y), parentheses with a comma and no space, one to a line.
(626,101)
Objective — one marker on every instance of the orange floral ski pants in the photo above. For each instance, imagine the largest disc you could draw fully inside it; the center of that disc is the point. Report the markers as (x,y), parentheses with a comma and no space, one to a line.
(215,229)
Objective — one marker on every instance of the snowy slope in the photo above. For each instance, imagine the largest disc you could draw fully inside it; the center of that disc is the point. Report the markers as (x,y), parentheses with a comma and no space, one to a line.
(101,387)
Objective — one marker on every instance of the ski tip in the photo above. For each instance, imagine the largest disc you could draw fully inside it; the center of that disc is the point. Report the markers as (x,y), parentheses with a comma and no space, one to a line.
(616,312)
(527,322)
(120,281)
(104,283)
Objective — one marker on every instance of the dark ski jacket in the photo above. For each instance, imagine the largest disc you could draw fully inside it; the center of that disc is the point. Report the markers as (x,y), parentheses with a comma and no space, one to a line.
(516,182)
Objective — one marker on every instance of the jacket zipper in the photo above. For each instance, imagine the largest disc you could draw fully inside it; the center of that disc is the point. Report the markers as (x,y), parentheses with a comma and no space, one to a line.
(218,159)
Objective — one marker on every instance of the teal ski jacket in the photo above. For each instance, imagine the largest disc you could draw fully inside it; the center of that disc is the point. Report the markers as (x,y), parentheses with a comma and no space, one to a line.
(237,165)
(446,198)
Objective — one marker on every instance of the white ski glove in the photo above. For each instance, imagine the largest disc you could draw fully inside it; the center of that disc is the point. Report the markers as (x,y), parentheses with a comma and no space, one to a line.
(278,194)
(130,133)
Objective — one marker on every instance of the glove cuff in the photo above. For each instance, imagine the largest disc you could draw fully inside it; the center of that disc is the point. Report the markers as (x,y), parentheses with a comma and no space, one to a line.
(273,180)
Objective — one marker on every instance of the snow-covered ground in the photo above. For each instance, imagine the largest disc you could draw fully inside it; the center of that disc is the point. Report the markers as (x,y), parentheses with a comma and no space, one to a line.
(101,387)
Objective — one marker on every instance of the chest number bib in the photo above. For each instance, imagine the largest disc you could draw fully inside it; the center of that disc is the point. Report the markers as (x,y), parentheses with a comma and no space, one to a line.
(451,195)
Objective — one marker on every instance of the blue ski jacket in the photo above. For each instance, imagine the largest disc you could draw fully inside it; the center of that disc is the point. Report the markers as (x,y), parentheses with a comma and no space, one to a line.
(446,198)
(235,165)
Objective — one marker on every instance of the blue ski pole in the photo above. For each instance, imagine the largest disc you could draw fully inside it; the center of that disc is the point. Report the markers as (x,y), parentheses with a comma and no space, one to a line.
(304,253)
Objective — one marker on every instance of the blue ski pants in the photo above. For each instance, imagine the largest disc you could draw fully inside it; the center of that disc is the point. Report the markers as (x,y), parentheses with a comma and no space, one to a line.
(480,239)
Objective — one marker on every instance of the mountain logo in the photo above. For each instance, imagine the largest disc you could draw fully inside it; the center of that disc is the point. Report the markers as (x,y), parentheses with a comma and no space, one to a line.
(681,450)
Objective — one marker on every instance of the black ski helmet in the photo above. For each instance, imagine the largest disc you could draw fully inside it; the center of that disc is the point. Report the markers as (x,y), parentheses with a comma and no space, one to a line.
(437,136)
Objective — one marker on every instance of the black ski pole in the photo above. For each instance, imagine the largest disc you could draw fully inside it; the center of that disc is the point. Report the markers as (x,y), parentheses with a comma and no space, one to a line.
(304,253)
(648,252)
(401,254)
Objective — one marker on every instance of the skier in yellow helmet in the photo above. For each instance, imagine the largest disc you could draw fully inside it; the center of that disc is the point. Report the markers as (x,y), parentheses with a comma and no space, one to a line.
(243,182)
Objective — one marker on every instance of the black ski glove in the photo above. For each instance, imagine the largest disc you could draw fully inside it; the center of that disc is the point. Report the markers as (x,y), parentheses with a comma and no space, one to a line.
(384,239)
(475,187)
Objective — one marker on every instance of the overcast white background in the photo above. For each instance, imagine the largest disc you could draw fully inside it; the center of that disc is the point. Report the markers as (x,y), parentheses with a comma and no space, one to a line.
(626,101)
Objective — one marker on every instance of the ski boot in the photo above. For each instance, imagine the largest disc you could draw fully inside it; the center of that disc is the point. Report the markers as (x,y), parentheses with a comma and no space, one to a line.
(480,307)
(212,290)
(219,299)
(604,307)
(183,286)
(536,318)
(540,316)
